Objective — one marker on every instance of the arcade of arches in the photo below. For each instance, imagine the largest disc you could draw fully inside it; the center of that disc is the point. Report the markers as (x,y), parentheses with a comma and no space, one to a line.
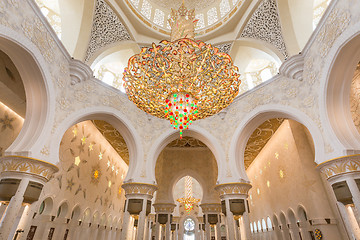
(78,160)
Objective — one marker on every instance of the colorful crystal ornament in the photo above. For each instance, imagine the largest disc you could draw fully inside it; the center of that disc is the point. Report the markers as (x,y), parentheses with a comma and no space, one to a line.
(183,80)
(181,109)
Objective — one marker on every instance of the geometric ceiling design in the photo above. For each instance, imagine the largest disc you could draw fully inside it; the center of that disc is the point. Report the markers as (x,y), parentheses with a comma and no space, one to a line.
(106,29)
(265,25)
(259,138)
(114,138)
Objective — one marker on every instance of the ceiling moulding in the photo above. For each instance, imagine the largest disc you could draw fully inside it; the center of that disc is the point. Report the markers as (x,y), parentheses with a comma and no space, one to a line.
(293,67)
(79,71)
(106,29)
(265,25)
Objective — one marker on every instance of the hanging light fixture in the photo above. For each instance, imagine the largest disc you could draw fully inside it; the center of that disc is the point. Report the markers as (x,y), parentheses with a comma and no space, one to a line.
(182,80)
(189,201)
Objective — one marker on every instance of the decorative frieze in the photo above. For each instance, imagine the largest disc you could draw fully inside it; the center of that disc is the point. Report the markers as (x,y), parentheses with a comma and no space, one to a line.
(164,207)
(341,165)
(233,188)
(27,165)
(139,189)
(211,207)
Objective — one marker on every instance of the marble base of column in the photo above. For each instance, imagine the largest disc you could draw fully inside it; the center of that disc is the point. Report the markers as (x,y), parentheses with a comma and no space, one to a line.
(12,210)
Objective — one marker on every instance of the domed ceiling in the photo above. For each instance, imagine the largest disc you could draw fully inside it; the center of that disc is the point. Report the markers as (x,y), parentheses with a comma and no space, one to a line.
(199,5)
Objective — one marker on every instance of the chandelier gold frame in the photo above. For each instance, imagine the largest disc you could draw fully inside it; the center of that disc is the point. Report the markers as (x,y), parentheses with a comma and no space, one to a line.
(181,80)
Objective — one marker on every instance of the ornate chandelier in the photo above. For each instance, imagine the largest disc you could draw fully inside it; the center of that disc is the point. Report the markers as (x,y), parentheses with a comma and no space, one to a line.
(188,200)
(181,80)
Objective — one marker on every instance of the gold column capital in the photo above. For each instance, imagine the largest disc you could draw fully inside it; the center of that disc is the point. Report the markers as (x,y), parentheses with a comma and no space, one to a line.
(166,208)
(139,189)
(211,207)
(339,166)
(236,188)
(27,165)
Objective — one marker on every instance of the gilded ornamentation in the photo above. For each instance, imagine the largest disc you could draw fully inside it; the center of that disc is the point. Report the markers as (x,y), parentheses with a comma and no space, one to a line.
(259,138)
(265,25)
(342,165)
(114,138)
(95,174)
(233,188)
(139,188)
(28,165)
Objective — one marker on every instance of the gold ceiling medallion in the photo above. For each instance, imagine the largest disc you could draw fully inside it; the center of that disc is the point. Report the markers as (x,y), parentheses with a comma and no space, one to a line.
(182,80)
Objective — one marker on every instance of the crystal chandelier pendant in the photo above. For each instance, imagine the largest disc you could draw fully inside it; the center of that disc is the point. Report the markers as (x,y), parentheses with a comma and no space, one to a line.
(181,110)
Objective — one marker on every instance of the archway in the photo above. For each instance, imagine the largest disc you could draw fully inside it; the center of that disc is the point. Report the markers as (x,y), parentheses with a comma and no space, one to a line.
(116,121)
(338,114)
(32,71)
(186,173)
(257,62)
(257,117)
(12,102)
(279,159)
(197,133)
(186,157)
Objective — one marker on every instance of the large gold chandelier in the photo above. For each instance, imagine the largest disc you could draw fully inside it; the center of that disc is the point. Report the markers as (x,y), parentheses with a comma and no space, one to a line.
(181,80)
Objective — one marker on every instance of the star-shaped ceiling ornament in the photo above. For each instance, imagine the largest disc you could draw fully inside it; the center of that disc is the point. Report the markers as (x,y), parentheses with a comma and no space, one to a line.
(83,140)
(75,131)
(91,147)
(6,122)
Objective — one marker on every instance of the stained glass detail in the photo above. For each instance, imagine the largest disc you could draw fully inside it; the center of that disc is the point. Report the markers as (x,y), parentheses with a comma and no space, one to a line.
(135,3)
(159,17)
(201,23)
(212,16)
(224,7)
(146,9)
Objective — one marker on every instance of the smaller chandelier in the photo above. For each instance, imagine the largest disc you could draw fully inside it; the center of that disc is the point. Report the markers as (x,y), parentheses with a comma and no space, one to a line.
(182,80)
(189,201)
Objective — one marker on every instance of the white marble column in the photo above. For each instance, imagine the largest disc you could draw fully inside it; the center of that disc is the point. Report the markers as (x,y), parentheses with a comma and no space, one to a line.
(157,229)
(246,223)
(13,209)
(230,224)
(355,192)
(2,210)
(218,229)
(142,221)
(147,229)
(207,227)
(125,223)
(168,228)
